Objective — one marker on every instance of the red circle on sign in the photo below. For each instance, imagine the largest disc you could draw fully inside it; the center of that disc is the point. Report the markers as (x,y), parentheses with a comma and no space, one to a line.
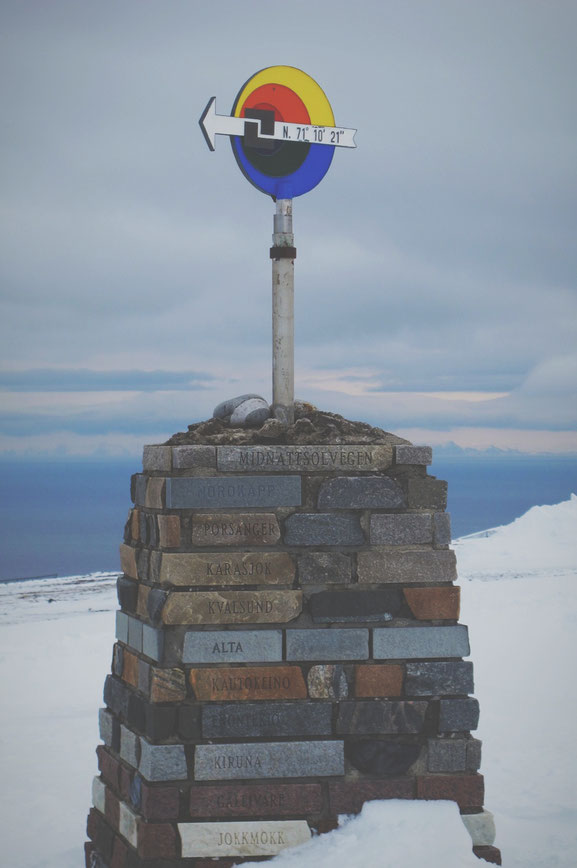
(287,105)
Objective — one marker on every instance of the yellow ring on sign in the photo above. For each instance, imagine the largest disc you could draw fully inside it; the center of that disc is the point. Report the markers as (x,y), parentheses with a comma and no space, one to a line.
(313,96)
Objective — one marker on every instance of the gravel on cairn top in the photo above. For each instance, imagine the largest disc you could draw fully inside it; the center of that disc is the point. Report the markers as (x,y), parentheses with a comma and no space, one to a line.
(311,427)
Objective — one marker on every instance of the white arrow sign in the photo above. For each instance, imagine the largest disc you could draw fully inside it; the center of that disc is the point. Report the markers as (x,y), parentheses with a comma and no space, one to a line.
(213,125)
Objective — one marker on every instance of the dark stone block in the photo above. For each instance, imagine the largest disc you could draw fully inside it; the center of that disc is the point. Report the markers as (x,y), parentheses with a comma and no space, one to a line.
(127,593)
(324,529)
(382,757)
(116,696)
(320,568)
(118,660)
(160,722)
(188,723)
(489,854)
(136,716)
(156,600)
(136,792)
(143,527)
(349,797)
(256,800)
(430,679)
(152,531)
(426,493)
(154,566)
(142,559)
(361,492)
(360,606)
(368,717)
(266,719)
(458,715)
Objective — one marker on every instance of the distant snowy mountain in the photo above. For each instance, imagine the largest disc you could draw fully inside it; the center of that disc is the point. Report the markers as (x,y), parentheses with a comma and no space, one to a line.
(56,638)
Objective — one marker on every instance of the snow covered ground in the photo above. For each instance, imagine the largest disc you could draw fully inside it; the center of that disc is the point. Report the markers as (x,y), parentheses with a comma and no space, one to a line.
(519,595)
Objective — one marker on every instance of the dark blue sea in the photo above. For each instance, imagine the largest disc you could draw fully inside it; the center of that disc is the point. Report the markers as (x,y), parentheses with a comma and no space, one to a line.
(67,517)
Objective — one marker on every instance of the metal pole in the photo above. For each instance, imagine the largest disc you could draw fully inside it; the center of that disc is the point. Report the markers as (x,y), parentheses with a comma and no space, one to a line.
(283,254)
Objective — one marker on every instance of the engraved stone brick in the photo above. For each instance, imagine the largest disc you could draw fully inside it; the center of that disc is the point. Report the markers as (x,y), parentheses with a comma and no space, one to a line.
(258,682)
(382,758)
(246,800)
(232,607)
(434,604)
(293,759)
(323,458)
(360,492)
(349,797)
(191,457)
(122,627)
(402,567)
(221,568)
(428,679)
(442,528)
(169,531)
(262,838)
(167,685)
(266,719)
(235,529)
(413,455)
(157,458)
(155,493)
(447,755)
(128,561)
(395,643)
(426,493)
(320,568)
(233,646)
(152,642)
(373,716)
(458,715)
(374,680)
(129,746)
(327,644)
(345,606)
(162,762)
(467,790)
(197,492)
(328,681)
(397,530)
(324,529)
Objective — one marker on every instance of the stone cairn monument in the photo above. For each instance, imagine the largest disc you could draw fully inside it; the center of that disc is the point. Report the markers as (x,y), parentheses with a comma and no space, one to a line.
(288,646)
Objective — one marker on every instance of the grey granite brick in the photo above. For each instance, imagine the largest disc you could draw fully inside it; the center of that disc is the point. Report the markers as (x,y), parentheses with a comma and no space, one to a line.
(447,755)
(324,529)
(442,528)
(474,747)
(327,644)
(162,762)
(152,642)
(360,492)
(401,566)
(458,715)
(294,759)
(108,727)
(232,646)
(122,627)
(396,530)
(396,643)
(413,455)
(157,458)
(135,634)
(191,457)
(320,568)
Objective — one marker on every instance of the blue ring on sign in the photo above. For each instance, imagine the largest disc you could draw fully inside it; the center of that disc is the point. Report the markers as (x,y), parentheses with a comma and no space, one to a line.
(305,178)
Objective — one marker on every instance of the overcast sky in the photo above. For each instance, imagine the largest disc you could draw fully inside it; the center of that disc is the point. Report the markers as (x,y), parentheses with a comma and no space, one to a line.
(435,285)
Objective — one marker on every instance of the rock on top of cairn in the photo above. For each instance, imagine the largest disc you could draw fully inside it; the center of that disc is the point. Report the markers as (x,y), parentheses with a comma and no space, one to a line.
(245,411)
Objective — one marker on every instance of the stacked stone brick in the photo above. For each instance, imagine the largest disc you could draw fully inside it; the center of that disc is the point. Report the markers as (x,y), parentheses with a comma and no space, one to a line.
(288,648)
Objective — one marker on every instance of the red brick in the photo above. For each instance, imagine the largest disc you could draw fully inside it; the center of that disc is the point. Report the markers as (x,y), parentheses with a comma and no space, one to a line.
(124,783)
(112,809)
(489,854)
(157,841)
(109,767)
(119,854)
(434,604)
(88,850)
(349,797)
(467,790)
(169,531)
(379,680)
(100,833)
(159,803)
(255,800)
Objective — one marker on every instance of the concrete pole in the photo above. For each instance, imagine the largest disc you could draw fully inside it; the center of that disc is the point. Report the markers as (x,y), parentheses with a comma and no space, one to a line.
(283,254)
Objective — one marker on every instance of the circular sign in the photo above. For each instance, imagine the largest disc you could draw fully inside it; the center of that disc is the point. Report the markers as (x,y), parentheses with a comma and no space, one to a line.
(283,169)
